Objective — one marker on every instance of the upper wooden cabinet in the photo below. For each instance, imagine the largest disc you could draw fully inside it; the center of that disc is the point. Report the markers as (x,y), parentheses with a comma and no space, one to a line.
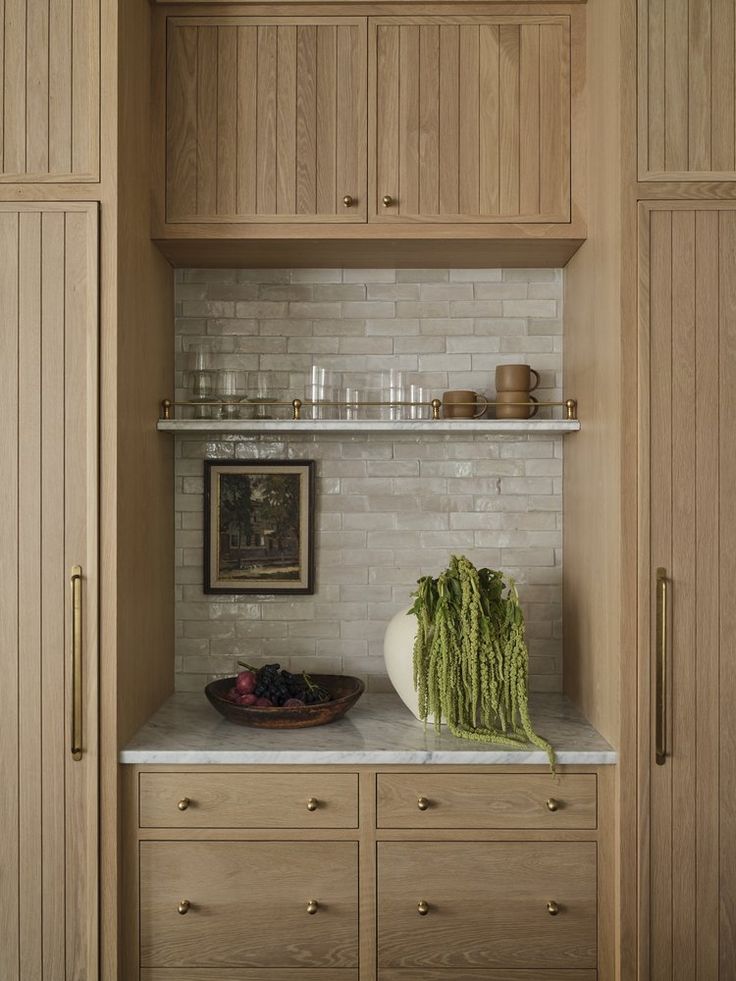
(470,118)
(687,79)
(266,119)
(49,91)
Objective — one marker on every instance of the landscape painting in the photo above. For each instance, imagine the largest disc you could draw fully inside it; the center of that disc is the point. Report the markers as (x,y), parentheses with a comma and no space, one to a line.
(258,525)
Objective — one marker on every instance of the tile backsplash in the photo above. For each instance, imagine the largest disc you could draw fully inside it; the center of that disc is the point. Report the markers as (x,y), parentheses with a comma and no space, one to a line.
(388,509)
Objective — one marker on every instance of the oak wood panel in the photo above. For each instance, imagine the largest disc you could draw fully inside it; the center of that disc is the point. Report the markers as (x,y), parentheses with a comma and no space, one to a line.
(254,800)
(230,884)
(252,974)
(487,905)
(476,801)
(687,79)
(49,91)
(471,118)
(265,119)
(48,294)
(402,974)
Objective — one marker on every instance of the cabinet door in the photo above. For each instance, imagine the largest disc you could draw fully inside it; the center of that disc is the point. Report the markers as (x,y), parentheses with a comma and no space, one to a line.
(48,526)
(266,119)
(49,90)
(687,571)
(470,118)
(687,81)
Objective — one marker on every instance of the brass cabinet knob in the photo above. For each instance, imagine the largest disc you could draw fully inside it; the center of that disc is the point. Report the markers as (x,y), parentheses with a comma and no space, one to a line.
(388,201)
(312,907)
(184,906)
(312,804)
(348,200)
(422,803)
(552,908)
(552,804)
(422,907)
(183,803)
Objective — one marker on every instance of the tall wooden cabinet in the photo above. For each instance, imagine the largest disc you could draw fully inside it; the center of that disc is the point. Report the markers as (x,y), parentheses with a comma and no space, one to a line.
(48,601)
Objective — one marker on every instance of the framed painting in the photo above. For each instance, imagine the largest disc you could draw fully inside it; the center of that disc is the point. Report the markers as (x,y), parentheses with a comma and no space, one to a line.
(259,526)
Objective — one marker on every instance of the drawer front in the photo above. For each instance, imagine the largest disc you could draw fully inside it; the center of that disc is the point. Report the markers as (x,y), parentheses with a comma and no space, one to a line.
(277,974)
(472,975)
(487,905)
(248,904)
(248,800)
(470,800)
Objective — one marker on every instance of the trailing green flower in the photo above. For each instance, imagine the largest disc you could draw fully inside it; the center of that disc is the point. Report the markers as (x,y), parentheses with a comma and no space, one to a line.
(471,664)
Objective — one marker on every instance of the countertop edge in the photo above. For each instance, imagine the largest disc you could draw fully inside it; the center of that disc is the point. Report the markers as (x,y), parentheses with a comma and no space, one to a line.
(327,758)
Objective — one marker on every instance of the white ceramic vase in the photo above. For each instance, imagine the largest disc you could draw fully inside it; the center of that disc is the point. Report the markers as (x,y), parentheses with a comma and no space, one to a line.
(398,650)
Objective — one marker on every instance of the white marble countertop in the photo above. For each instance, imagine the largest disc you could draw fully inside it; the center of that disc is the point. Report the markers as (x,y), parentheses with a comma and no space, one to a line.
(378,730)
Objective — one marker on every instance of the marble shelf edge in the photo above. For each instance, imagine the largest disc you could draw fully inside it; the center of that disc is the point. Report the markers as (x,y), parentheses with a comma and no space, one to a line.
(425,427)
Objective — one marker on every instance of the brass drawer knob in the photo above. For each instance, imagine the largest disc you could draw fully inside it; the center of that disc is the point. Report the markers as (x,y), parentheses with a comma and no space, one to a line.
(552,908)
(184,906)
(312,804)
(552,804)
(183,803)
(422,803)
(312,907)
(348,200)
(422,907)
(388,201)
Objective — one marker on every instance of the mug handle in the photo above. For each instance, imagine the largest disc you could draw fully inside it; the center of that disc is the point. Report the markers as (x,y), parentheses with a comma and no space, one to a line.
(486,403)
(536,383)
(535,410)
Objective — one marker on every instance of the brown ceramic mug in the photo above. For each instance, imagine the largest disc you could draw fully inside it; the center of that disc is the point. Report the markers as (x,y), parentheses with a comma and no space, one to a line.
(463,405)
(516,378)
(506,409)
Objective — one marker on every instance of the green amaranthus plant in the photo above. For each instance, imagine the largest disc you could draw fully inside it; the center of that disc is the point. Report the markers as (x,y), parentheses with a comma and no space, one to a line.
(471,663)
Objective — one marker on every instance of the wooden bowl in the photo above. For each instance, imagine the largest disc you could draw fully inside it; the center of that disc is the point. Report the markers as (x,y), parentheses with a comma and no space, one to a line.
(345,691)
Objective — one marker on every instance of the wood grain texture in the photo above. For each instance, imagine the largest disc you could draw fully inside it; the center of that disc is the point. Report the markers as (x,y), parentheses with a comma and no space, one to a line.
(258,800)
(487,905)
(252,974)
(472,119)
(687,78)
(280,126)
(425,974)
(218,878)
(512,801)
(49,91)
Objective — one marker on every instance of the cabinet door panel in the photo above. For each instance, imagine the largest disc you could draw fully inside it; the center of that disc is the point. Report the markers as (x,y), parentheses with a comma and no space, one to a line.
(49,90)
(487,905)
(266,119)
(470,118)
(48,396)
(688,358)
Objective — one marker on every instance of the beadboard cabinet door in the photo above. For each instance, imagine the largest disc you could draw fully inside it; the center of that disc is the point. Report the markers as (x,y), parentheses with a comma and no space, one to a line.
(687,614)
(48,592)
(470,118)
(49,91)
(266,119)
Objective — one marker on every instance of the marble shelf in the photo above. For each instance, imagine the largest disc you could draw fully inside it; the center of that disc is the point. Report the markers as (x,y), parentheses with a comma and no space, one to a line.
(378,730)
(427,427)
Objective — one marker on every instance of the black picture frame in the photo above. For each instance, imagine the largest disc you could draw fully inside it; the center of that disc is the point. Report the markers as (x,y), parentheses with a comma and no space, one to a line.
(259,527)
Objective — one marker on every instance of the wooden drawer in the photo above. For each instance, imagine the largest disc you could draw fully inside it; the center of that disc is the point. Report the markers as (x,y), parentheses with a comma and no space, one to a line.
(248,800)
(471,975)
(278,974)
(480,800)
(487,905)
(248,904)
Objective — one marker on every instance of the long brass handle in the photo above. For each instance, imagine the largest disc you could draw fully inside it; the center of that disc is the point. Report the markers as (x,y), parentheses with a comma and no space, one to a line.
(76,588)
(661,692)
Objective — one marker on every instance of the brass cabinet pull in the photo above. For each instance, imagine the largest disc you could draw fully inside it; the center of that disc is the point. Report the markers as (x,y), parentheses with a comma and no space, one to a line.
(388,201)
(422,907)
(552,908)
(312,804)
(552,804)
(76,585)
(183,803)
(312,907)
(422,803)
(661,683)
(183,907)
(348,200)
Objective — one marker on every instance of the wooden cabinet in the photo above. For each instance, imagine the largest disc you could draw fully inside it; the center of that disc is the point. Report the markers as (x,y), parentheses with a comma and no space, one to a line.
(266,119)
(48,619)
(687,752)
(49,91)
(470,118)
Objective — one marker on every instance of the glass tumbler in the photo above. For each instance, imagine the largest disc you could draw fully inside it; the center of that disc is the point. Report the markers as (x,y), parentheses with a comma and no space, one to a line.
(392,392)
(230,389)
(419,394)
(351,410)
